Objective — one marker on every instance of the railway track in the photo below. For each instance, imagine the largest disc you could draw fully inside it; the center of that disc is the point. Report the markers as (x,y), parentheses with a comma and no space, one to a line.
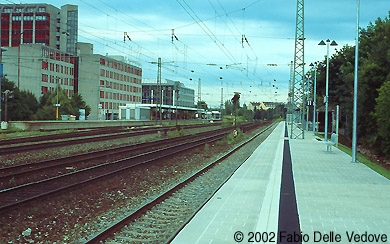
(22,174)
(18,145)
(14,196)
(160,220)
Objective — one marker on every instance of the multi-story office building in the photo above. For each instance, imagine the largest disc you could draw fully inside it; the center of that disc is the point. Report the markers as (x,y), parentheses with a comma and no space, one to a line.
(107,82)
(43,53)
(39,68)
(172,92)
(39,24)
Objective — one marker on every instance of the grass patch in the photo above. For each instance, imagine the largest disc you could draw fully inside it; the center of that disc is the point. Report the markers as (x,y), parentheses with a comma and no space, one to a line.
(362,159)
(176,133)
(21,133)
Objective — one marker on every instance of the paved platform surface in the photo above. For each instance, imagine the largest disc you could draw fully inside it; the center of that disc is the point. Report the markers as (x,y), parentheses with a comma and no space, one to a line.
(336,199)
(334,194)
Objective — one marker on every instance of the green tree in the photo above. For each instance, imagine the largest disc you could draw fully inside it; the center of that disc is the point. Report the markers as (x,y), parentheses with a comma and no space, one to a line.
(245,113)
(202,105)
(374,60)
(47,111)
(228,107)
(21,105)
(382,116)
(77,103)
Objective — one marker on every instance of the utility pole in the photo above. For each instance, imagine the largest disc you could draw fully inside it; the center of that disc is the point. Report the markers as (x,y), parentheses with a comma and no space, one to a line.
(159,86)
(290,96)
(355,88)
(221,103)
(298,85)
(199,97)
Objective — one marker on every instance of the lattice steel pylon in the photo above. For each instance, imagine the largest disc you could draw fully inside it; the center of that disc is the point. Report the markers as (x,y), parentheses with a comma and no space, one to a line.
(298,86)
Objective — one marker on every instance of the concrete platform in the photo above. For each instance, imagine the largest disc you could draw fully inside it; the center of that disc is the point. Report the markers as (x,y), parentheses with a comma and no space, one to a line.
(336,199)
(334,194)
(249,201)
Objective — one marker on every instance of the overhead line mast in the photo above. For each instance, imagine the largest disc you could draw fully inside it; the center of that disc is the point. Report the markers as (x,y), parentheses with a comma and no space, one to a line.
(298,87)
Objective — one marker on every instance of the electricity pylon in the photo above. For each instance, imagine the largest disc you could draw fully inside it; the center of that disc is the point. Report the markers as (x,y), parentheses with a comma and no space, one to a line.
(298,86)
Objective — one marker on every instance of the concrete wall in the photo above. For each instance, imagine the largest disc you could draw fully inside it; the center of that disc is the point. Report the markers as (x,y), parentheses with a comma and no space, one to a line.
(89,86)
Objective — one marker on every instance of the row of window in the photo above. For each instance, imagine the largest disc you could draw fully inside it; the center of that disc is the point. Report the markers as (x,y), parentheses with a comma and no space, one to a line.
(28,9)
(28,18)
(122,67)
(110,105)
(118,86)
(51,89)
(53,54)
(120,77)
(56,79)
(117,96)
(58,68)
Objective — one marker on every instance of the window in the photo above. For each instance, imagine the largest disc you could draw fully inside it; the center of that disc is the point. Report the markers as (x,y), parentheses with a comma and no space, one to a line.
(44,89)
(102,82)
(45,65)
(44,77)
(101,94)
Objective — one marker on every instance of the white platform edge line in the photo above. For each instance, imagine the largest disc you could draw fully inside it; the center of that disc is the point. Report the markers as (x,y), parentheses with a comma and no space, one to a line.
(269,213)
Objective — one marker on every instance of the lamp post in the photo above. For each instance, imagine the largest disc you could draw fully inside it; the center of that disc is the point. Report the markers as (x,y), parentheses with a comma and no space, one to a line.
(3,49)
(328,43)
(314,95)
(355,89)
(307,88)
(57,105)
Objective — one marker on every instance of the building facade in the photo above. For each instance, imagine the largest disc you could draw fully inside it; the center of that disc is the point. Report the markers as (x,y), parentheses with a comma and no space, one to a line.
(39,69)
(173,93)
(43,54)
(107,82)
(39,24)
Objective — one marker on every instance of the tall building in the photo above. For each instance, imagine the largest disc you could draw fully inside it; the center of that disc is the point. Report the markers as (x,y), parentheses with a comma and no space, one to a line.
(39,24)
(39,68)
(43,54)
(172,92)
(107,82)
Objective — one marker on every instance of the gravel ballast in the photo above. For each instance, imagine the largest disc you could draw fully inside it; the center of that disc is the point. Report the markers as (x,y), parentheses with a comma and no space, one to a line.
(74,216)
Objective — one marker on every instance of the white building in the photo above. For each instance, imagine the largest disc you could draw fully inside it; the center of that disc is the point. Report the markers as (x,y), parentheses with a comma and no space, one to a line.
(107,82)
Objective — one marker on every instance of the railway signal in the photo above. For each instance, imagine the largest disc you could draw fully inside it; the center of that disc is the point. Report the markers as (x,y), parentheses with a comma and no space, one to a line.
(234,100)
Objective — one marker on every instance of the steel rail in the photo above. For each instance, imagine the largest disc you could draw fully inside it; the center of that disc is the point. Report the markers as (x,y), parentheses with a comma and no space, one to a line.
(12,197)
(106,233)
(20,171)
(94,138)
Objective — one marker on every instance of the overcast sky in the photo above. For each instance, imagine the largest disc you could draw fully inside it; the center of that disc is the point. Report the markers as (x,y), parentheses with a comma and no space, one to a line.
(210,34)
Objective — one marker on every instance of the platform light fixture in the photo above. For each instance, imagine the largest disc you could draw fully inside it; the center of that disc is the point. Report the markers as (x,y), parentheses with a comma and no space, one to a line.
(328,43)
